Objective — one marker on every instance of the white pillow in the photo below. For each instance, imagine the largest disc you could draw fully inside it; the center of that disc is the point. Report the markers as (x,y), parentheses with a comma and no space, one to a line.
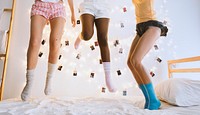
(179,91)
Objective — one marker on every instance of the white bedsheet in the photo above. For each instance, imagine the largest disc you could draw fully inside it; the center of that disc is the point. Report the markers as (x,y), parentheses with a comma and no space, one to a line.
(89,106)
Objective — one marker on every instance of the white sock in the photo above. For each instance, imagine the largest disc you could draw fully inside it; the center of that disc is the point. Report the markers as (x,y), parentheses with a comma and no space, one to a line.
(78,41)
(25,95)
(109,84)
(50,74)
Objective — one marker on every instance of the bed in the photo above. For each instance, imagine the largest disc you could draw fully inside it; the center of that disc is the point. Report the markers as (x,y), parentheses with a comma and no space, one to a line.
(102,105)
(89,106)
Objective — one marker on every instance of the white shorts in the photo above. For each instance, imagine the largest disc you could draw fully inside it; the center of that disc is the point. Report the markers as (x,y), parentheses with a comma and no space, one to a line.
(97,8)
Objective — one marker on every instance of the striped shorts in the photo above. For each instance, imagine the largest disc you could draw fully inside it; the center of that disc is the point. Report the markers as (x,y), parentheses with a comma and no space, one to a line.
(48,10)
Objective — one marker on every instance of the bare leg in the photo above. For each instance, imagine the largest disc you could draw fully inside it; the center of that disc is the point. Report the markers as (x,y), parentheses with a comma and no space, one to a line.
(132,49)
(37,26)
(57,28)
(143,46)
(102,35)
(87,21)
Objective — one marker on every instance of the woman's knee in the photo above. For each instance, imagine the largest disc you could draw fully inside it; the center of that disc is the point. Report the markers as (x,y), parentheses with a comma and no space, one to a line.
(35,42)
(55,43)
(129,62)
(87,35)
(103,40)
(134,61)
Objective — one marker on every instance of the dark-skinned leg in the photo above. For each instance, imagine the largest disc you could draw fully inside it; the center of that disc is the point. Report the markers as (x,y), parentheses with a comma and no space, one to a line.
(87,21)
(102,36)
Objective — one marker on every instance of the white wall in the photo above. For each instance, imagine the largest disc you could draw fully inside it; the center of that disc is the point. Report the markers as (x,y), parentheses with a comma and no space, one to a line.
(183,41)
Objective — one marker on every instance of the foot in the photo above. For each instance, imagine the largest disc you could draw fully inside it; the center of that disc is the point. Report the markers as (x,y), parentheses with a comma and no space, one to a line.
(154,105)
(48,89)
(110,86)
(77,42)
(25,95)
(146,105)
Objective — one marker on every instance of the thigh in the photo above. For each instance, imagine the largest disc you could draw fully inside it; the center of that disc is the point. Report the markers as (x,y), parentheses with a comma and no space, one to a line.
(37,25)
(102,26)
(87,21)
(133,45)
(146,42)
(57,28)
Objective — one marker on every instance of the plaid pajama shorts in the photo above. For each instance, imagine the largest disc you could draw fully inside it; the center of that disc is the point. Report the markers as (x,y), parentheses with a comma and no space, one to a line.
(48,10)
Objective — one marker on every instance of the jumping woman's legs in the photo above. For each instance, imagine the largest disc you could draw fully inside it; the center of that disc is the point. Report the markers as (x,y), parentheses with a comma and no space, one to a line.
(87,21)
(132,49)
(37,26)
(102,36)
(57,28)
(144,44)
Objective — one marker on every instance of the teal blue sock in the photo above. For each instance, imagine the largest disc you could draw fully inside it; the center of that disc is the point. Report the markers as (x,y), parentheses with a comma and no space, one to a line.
(151,101)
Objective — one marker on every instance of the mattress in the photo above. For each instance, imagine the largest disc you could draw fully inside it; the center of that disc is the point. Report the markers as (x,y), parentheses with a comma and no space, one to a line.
(89,106)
